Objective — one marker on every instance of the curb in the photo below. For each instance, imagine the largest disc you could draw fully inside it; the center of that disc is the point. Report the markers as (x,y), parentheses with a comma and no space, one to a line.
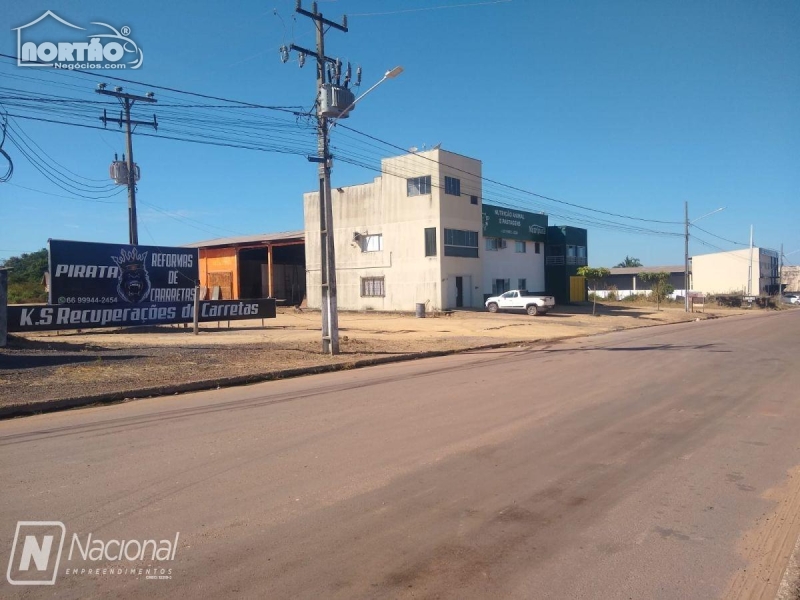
(46,406)
(790,584)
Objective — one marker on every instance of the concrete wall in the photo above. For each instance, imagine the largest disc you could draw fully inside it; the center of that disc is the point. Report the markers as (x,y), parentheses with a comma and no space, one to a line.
(384,207)
(507,263)
(458,212)
(727,272)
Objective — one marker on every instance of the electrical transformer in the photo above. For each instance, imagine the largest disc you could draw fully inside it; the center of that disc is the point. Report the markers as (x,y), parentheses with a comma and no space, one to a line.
(119,172)
(334,99)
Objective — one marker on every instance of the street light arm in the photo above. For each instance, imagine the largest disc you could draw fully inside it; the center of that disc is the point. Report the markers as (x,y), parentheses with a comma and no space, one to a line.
(388,75)
(708,215)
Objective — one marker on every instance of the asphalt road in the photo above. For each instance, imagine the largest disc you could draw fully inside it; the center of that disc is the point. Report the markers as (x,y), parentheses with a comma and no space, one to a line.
(654,463)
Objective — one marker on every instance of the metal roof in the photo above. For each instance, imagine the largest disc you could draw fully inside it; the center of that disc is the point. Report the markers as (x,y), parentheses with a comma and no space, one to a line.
(637,270)
(244,240)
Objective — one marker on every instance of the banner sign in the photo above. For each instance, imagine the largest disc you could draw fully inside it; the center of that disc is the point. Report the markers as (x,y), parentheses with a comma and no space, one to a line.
(513,224)
(48,317)
(92,273)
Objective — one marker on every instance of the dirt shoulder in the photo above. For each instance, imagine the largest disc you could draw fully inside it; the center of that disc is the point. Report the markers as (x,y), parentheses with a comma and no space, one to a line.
(61,369)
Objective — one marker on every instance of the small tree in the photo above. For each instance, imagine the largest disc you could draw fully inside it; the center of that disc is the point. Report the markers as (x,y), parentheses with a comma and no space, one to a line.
(629,262)
(594,275)
(659,285)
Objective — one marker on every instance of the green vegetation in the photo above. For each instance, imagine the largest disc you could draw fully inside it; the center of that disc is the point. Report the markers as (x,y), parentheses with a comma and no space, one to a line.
(25,279)
(594,275)
(660,285)
(629,262)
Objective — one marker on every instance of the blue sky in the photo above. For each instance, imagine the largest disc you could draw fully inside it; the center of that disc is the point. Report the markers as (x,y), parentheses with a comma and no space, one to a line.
(627,107)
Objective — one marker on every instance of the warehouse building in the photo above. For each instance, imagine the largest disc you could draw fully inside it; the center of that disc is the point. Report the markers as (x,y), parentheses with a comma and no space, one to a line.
(421,234)
(254,266)
(735,273)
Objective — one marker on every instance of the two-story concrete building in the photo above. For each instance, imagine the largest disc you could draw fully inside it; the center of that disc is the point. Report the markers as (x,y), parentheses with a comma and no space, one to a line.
(410,236)
(421,234)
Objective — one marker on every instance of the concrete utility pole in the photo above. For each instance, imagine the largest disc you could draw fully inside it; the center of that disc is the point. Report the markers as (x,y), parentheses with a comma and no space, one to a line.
(750,270)
(780,275)
(686,258)
(127,100)
(330,317)
(3,306)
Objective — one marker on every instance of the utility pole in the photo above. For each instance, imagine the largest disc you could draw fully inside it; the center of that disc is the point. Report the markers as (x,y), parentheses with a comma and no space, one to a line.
(332,100)
(750,269)
(686,257)
(780,275)
(127,100)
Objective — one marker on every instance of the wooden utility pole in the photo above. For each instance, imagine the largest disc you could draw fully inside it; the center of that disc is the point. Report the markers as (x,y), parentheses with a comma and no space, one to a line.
(330,317)
(127,100)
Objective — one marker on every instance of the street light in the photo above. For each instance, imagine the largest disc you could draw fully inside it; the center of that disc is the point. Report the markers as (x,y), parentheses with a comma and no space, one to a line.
(686,252)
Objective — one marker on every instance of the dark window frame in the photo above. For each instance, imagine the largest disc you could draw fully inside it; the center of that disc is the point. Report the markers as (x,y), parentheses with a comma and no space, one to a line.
(418,186)
(369,284)
(431,248)
(452,185)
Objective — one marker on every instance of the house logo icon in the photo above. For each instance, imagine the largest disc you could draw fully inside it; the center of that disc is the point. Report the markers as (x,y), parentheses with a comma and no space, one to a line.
(36,553)
(107,48)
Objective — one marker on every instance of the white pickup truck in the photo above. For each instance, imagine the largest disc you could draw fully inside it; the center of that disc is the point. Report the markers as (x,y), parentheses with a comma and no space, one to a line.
(521,300)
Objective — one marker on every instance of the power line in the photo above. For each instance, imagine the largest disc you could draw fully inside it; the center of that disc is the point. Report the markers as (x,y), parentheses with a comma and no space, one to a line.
(543,197)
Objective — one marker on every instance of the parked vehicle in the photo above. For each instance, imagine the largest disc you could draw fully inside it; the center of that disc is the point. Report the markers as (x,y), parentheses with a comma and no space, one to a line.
(791,298)
(521,300)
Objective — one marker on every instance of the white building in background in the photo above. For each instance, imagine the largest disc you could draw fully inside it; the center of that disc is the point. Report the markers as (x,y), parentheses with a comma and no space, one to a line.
(731,273)
(420,234)
(790,278)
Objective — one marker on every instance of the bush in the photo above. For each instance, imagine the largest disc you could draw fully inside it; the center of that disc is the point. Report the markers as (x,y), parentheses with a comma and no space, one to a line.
(612,293)
(26,292)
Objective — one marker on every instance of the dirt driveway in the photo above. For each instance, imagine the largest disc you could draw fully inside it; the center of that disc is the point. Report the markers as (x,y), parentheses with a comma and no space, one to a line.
(61,365)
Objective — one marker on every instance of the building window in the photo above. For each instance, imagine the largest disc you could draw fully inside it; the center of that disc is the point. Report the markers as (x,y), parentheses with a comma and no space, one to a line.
(461,243)
(473,199)
(372,243)
(520,248)
(452,186)
(493,243)
(581,251)
(537,248)
(570,251)
(417,186)
(372,287)
(523,284)
(430,241)
(500,286)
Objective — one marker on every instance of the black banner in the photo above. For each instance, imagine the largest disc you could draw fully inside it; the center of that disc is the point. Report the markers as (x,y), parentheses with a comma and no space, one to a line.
(91,273)
(48,317)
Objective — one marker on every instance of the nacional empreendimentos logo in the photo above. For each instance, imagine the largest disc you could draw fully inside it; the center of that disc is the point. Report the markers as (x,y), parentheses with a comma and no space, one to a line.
(108,48)
(37,552)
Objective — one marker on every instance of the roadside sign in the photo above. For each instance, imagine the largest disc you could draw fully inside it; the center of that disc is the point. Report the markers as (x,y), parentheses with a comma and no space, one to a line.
(83,273)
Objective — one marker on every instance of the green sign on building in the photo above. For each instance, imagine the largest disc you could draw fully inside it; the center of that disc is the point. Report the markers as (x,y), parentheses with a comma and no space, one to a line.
(513,224)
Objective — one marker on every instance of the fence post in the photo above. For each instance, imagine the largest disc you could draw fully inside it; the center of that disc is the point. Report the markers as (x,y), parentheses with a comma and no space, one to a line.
(196,310)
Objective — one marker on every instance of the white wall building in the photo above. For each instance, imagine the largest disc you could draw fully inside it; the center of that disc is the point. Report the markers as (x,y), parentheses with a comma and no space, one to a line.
(411,236)
(415,235)
(730,272)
